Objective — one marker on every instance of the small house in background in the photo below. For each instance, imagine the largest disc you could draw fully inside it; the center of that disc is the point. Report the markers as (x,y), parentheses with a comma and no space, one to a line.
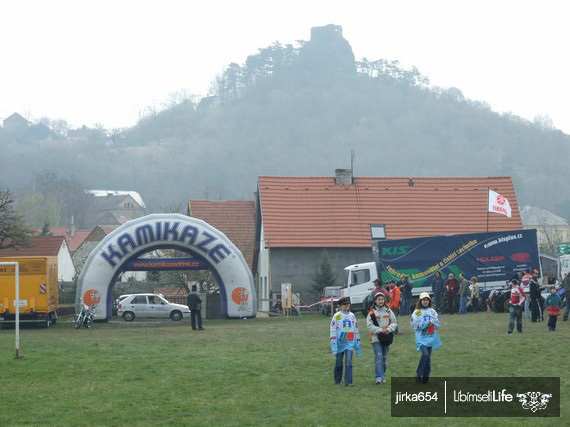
(114,208)
(302,219)
(47,246)
(15,121)
(94,237)
(551,229)
(88,244)
(73,237)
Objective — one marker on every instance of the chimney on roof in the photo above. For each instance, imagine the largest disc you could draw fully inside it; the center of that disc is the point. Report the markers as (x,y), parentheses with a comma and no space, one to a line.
(72,227)
(411,182)
(343,176)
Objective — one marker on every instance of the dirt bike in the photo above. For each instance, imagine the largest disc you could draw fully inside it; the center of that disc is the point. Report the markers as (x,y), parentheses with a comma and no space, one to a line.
(85,316)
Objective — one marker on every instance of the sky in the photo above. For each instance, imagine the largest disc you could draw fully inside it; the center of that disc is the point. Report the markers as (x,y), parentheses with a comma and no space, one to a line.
(107,62)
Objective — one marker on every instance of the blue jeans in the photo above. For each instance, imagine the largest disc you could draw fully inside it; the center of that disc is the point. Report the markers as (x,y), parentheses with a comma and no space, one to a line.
(424,367)
(347,366)
(380,357)
(515,312)
(535,310)
(463,304)
(405,307)
(527,307)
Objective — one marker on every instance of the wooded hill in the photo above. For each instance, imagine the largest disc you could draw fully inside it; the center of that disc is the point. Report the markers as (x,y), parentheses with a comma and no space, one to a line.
(300,110)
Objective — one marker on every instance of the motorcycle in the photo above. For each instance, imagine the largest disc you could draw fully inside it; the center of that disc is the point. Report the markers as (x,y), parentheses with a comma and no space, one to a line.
(85,316)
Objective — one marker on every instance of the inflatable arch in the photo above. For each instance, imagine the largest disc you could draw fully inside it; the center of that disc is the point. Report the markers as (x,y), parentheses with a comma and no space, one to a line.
(172,231)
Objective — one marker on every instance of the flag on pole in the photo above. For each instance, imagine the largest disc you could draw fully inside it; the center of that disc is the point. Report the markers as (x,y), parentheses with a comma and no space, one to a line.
(499,204)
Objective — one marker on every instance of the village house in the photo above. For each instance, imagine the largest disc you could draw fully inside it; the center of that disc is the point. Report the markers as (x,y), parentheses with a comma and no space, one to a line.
(301,218)
(41,246)
(114,208)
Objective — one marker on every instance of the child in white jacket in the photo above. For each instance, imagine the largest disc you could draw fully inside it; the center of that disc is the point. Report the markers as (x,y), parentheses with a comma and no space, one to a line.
(381,323)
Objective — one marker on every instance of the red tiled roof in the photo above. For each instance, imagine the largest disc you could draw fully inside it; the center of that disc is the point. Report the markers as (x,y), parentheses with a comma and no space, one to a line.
(314,212)
(72,242)
(234,218)
(40,246)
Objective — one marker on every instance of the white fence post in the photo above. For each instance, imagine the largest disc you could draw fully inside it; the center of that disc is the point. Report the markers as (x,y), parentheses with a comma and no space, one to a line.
(17,304)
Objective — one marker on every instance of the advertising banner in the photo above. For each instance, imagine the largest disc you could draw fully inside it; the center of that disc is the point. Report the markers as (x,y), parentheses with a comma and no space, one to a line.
(493,256)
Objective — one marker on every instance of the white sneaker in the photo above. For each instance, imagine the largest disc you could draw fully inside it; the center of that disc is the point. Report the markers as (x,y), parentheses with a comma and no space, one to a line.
(383,380)
(378,380)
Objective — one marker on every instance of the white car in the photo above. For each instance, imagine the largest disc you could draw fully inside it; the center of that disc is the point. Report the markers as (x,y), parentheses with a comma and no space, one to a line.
(149,305)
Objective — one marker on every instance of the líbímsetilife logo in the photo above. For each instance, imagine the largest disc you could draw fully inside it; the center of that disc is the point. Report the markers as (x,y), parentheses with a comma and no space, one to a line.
(534,400)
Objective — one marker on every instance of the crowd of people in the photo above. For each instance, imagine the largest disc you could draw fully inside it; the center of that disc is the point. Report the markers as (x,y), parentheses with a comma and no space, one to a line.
(387,304)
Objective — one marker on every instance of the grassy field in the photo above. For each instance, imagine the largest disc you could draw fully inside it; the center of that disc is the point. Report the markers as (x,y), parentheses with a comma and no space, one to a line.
(249,372)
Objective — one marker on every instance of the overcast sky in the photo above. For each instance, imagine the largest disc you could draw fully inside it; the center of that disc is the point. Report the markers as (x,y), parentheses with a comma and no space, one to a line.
(104,61)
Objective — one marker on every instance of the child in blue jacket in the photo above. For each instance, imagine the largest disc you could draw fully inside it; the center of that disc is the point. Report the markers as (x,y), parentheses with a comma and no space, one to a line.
(345,338)
(425,323)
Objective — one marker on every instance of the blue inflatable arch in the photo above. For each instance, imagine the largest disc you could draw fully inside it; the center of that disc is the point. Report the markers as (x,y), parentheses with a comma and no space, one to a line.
(173,231)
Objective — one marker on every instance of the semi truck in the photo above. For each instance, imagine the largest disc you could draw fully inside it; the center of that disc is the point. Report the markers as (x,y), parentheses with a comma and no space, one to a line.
(39,293)
(492,257)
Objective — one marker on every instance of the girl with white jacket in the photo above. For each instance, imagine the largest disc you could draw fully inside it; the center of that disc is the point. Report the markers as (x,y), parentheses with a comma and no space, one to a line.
(381,322)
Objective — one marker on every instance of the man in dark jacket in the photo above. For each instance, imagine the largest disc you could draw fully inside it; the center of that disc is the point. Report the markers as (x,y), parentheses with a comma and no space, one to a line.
(194,303)
(566,284)
(437,289)
(405,295)
(535,307)
(452,286)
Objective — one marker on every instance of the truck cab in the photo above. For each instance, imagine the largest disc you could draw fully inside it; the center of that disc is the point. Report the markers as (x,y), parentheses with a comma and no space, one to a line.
(358,282)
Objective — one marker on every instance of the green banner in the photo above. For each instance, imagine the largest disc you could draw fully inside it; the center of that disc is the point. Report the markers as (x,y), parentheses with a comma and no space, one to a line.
(564,249)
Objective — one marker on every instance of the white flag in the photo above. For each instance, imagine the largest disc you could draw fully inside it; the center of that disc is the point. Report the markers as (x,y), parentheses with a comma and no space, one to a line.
(499,204)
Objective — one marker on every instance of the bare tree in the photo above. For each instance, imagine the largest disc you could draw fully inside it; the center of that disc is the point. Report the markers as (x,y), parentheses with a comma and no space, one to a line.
(13,231)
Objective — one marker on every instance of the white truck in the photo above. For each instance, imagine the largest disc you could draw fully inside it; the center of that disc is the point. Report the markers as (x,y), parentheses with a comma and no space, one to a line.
(359,282)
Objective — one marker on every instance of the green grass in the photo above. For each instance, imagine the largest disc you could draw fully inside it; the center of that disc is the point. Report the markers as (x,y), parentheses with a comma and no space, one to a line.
(249,372)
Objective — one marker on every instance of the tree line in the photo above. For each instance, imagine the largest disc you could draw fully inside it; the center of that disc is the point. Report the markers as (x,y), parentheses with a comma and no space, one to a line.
(295,110)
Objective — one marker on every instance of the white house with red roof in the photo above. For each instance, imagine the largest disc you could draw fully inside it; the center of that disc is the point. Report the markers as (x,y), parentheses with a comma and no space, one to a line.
(73,236)
(47,246)
(299,218)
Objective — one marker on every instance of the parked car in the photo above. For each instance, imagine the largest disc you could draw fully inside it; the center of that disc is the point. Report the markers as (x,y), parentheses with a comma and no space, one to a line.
(149,305)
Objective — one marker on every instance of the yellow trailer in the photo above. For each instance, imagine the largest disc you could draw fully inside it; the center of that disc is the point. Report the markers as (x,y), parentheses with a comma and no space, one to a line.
(39,292)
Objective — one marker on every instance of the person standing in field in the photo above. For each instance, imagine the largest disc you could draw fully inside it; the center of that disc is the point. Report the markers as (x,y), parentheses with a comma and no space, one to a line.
(405,295)
(524,281)
(394,301)
(381,323)
(535,308)
(345,339)
(378,287)
(553,306)
(475,294)
(425,323)
(566,284)
(195,305)
(437,285)
(463,293)
(516,306)
(452,287)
